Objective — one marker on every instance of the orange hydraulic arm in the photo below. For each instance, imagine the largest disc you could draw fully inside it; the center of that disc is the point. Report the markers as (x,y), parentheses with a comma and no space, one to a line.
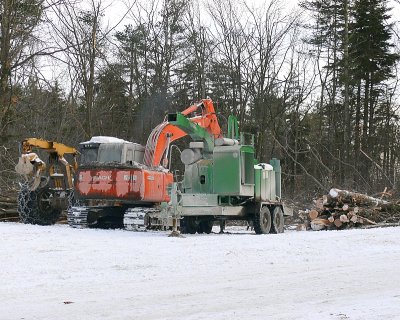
(165,133)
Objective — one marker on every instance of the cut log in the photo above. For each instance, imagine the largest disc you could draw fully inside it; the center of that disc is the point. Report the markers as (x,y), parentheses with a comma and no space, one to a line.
(358,199)
(301,227)
(345,207)
(8,201)
(8,198)
(8,215)
(381,225)
(338,223)
(7,204)
(331,219)
(354,219)
(313,214)
(336,214)
(319,224)
(362,219)
(343,218)
(10,219)
(319,203)
(328,201)
(8,211)
(303,214)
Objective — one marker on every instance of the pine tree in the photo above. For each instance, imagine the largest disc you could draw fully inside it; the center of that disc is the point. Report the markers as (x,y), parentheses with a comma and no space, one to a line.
(372,60)
(328,37)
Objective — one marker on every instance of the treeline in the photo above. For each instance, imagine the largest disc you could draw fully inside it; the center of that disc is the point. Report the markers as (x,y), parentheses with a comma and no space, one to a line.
(316,85)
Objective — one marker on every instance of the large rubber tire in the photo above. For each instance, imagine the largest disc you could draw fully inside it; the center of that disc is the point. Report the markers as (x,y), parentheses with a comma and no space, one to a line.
(34,207)
(188,225)
(262,221)
(277,220)
(205,226)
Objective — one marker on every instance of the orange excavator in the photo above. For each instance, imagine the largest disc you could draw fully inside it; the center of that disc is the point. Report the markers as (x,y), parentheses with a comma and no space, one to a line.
(165,133)
(123,184)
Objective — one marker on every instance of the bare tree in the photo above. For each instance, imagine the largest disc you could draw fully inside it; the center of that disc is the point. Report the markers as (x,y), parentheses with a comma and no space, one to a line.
(230,39)
(18,21)
(80,33)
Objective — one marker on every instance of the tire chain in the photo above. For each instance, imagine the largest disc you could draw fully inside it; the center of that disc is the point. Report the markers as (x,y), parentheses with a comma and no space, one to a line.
(72,202)
(23,199)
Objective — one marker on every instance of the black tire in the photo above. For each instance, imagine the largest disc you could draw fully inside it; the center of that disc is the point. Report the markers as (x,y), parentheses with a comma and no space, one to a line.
(205,226)
(189,225)
(34,207)
(277,220)
(262,221)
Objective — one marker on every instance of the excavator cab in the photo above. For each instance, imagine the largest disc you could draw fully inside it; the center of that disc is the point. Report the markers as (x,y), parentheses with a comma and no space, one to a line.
(89,152)
(110,150)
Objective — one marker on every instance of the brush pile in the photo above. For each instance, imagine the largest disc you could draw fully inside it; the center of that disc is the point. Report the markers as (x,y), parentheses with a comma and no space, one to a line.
(342,209)
(8,207)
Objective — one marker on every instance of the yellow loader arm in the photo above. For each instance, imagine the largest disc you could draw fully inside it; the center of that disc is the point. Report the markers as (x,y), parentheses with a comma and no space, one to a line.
(29,162)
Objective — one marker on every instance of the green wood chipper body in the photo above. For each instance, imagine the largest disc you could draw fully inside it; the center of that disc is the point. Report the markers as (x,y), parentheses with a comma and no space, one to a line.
(224,181)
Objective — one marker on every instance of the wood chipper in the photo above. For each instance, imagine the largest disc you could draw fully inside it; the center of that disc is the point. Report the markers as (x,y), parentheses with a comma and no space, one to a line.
(223,181)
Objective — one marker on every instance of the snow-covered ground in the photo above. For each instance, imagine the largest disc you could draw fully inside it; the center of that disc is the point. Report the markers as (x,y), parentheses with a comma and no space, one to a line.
(57,273)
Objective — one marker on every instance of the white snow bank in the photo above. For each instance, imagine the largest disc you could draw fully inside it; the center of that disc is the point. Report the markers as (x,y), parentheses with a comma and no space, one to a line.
(115,274)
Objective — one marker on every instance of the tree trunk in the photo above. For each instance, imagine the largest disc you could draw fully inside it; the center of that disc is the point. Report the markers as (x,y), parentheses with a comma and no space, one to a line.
(358,199)
(347,113)
(5,70)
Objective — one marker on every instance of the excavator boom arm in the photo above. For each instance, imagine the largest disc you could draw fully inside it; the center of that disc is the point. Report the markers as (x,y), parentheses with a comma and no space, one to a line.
(166,132)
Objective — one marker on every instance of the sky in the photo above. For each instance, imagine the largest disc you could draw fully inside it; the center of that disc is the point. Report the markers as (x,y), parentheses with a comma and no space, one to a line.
(116,17)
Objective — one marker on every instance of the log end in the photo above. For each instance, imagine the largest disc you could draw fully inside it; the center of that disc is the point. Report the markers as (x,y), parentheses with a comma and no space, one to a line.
(333,193)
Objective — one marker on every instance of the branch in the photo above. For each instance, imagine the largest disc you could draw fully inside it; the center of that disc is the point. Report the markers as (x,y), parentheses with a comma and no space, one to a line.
(301,166)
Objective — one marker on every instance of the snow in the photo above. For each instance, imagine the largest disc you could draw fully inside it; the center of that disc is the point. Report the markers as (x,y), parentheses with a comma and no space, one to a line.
(264,166)
(57,272)
(105,139)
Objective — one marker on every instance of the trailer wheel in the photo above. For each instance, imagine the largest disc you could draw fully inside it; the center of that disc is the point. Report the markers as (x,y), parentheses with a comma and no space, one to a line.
(262,221)
(277,220)
(205,226)
(189,225)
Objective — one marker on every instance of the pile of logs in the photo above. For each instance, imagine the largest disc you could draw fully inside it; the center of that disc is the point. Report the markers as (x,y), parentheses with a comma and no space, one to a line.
(342,209)
(8,207)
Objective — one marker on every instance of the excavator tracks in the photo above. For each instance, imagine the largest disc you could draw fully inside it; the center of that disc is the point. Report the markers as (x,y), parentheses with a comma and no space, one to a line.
(137,219)
(134,219)
(77,217)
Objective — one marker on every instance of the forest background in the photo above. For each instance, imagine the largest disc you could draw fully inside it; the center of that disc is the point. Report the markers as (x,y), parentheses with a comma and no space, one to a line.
(315,82)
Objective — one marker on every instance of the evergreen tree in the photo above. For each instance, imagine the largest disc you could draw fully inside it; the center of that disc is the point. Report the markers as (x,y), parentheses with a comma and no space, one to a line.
(372,61)
(328,37)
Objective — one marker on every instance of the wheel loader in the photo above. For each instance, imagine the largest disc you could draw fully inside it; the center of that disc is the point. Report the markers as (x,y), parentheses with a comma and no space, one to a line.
(47,189)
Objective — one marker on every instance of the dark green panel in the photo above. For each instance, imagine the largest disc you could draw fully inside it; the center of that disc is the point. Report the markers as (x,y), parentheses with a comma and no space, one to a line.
(227,170)
(257,187)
